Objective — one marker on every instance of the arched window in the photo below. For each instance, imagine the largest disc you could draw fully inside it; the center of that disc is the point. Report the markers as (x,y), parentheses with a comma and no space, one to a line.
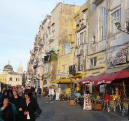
(10,79)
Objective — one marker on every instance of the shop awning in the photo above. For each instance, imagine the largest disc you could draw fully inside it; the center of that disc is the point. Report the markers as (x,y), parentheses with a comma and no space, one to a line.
(86,80)
(55,82)
(122,74)
(105,78)
(99,79)
(66,81)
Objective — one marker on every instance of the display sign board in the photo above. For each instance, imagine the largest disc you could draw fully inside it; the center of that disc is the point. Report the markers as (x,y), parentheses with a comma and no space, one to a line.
(87,102)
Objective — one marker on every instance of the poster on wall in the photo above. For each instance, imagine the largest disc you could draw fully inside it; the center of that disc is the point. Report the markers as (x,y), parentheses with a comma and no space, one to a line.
(117,57)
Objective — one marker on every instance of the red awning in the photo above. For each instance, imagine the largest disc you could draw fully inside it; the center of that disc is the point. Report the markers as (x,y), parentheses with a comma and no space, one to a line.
(99,79)
(105,78)
(85,80)
(122,74)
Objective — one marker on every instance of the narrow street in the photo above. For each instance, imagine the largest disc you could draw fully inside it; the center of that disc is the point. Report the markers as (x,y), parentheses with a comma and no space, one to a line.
(61,111)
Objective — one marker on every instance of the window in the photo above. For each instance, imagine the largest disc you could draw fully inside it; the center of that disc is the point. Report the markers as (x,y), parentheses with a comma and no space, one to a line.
(46,67)
(93,61)
(10,79)
(85,15)
(116,17)
(67,48)
(79,64)
(103,23)
(53,28)
(85,36)
(77,22)
(94,39)
(81,37)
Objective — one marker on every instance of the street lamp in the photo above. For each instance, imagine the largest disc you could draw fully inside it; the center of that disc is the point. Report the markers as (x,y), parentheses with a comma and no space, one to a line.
(126,29)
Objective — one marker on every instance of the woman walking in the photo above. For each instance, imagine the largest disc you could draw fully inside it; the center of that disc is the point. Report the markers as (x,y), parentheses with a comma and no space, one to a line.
(8,110)
(29,107)
(17,101)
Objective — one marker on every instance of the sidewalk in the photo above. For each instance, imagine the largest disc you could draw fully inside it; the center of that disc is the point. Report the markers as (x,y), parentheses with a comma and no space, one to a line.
(62,111)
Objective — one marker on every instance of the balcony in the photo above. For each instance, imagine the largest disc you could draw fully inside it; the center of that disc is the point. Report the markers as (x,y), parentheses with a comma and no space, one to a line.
(97,2)
(36,48)
(52,38)
(46,58)
(40,44)
(35,63)
(97,47)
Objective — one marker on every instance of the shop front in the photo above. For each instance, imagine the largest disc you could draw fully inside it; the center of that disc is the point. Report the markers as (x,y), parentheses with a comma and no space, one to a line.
(109,91)
(65,84)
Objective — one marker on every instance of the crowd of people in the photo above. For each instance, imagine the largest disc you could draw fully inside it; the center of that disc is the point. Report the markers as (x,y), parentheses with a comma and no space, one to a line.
(18,104)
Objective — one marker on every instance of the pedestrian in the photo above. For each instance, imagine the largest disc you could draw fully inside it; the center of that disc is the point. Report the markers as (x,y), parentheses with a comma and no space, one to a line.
(58,94)
(8,110)
(19,105)
(128,112)
(39,91)
(51,93)
(2,95)
(29,107)
(10,94)
(33,93)
(20,92)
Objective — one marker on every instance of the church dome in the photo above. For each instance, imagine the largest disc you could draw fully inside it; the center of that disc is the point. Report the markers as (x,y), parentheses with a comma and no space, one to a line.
(8,68)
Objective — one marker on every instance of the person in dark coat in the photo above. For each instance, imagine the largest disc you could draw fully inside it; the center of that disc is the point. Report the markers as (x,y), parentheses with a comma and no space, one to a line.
(19,105)
(29,107)
(8,110)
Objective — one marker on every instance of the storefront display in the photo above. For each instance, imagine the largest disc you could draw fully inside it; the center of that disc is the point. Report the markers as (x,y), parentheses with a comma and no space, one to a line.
(115,85)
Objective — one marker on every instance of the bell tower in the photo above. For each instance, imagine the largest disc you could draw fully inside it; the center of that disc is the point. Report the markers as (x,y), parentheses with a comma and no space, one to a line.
(20,68)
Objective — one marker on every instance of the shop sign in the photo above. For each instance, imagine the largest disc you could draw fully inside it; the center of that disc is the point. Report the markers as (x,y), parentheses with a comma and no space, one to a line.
(118,57)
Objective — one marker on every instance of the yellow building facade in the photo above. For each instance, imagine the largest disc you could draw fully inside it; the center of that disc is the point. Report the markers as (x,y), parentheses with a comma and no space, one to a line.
(66,43)
(3,78)
(81,19)
(9,77)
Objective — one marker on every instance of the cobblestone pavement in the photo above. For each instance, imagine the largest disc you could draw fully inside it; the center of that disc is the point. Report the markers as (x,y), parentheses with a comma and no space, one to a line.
(61,111)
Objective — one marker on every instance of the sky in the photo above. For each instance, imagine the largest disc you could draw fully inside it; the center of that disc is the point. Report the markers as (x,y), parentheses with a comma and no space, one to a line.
(19,23)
